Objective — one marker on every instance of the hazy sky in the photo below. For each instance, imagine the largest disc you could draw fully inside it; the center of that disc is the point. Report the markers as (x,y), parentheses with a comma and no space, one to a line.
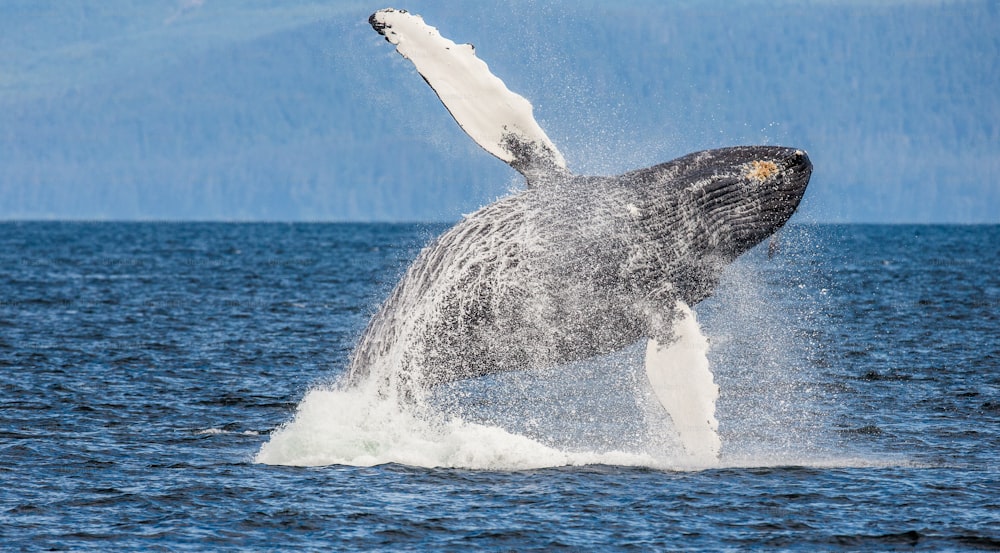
(297,110)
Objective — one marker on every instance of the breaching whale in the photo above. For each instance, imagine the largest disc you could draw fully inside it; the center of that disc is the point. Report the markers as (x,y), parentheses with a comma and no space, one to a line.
(573,266)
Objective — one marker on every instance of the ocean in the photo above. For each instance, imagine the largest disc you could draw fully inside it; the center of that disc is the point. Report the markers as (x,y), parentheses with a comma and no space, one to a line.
(174,386)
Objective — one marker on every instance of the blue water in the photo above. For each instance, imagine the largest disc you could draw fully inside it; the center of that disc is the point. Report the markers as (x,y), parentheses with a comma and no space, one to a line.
(145,365)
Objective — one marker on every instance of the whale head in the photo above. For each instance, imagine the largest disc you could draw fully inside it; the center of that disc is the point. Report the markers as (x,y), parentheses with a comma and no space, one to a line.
(745,194)
(733,198)
(708,208)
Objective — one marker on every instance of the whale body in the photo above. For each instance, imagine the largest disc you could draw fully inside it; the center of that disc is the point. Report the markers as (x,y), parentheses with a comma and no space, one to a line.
(573,266)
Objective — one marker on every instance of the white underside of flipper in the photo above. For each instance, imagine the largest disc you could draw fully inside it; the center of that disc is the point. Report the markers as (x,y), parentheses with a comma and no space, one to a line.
(684,385)
(499,120)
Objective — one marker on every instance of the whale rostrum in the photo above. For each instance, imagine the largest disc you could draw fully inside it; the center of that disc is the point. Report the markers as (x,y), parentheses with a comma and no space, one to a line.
(573,266)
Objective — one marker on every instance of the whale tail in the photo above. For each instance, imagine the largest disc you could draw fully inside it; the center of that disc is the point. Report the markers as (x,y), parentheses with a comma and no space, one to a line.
(499,120)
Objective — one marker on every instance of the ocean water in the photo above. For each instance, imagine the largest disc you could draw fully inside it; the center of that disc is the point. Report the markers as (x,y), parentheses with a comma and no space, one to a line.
(150,372)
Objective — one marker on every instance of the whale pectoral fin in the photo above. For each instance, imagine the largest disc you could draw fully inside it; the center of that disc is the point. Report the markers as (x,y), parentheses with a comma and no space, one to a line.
(499,120)
(679,374)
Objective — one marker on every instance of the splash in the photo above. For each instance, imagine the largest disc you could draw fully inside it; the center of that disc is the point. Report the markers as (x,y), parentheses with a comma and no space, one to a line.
(556,276)
(599,411)
(359,428)
(606,410)
(350,427)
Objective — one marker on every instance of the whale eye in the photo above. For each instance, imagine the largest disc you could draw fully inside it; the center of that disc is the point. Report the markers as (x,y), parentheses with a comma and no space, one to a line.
(760,170)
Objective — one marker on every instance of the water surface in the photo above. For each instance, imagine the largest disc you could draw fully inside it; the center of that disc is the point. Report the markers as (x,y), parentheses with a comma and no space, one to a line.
(144,365)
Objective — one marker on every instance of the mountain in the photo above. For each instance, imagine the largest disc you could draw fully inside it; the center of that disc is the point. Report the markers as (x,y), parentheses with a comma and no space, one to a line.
(297,110)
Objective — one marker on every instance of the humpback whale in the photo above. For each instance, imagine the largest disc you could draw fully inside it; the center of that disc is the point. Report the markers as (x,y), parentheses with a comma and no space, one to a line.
(572,266)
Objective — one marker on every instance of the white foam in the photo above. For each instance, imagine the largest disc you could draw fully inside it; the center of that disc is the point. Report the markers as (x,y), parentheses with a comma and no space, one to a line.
(217,431)
(355,427)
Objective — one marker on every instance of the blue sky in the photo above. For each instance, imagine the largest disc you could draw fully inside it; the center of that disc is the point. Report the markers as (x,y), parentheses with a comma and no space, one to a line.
(296,110)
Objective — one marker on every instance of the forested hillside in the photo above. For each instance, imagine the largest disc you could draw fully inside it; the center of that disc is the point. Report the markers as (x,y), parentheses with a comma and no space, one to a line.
(292,110)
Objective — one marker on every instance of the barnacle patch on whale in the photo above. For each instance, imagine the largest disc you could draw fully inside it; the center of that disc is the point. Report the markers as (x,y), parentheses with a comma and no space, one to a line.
(760,170)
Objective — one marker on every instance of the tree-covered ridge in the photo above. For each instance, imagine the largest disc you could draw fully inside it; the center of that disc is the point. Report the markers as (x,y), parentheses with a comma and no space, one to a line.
(297,110)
